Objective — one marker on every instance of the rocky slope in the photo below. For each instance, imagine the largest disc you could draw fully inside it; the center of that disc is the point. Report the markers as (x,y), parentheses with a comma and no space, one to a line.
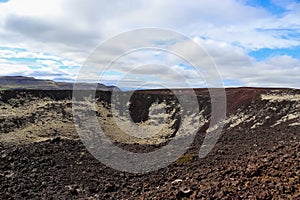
(257,156)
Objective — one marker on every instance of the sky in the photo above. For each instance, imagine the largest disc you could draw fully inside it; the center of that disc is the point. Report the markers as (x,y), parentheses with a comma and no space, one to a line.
(251,42)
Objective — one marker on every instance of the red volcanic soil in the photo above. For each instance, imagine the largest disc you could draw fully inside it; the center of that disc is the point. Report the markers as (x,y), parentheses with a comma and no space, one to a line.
(238,97)
(235,97)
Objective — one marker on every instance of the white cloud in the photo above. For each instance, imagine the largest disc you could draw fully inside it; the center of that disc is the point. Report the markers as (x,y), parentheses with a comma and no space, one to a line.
(278,71)
(36,64)
(79,25)
(73,28)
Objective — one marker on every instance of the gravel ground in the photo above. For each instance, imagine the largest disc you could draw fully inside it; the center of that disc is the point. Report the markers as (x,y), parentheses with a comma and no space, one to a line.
(63,169)
(257,156)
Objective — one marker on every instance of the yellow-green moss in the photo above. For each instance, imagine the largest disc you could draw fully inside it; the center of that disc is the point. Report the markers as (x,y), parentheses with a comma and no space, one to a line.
(184,159)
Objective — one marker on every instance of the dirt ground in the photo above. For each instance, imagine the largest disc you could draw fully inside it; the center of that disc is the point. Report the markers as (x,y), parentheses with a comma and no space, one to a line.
(257,156)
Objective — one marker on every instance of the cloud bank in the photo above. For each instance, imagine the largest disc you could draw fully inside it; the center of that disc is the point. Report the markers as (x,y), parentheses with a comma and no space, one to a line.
(52,39)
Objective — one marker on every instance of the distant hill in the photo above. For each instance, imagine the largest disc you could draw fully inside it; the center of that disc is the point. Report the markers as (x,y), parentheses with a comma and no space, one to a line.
(22,82)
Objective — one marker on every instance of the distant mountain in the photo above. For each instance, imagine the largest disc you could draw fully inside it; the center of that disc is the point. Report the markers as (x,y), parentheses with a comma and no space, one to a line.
(22,82)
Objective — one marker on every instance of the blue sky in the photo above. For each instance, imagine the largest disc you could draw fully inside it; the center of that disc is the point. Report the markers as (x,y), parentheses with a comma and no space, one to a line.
(262,54)
(269,5)
(253,43)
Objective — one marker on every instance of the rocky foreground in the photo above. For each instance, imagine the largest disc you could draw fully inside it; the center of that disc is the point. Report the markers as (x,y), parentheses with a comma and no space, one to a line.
(257,156)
